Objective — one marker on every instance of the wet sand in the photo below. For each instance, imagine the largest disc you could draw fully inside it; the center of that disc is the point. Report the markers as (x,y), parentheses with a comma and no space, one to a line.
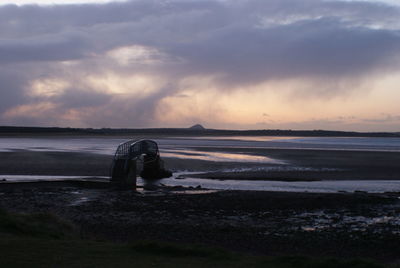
(318,165)
(303,165)
(54,163)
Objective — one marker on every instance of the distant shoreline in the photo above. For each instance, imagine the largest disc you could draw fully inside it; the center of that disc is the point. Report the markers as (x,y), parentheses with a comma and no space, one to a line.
(57,131)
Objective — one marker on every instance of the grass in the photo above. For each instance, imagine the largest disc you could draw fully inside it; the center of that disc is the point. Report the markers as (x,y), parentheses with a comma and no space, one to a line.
(35,225)
(43,240)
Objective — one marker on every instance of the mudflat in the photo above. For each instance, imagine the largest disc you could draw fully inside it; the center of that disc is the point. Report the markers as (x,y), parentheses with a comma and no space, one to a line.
(301,165)
(268,223)
(54,163)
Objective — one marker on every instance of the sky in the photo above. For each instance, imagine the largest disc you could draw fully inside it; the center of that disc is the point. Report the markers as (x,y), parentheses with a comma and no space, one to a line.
(226,64)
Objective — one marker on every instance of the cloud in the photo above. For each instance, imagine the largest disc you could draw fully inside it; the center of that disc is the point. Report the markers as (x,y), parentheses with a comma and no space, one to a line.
(12,83)
(156,45)
(384,118)
(42,48)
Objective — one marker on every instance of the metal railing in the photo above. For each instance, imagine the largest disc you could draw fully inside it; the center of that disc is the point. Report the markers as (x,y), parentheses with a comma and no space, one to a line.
(123,150)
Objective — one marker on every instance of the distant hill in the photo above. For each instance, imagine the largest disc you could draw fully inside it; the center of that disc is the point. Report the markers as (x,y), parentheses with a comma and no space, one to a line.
(197,127)
(192,131)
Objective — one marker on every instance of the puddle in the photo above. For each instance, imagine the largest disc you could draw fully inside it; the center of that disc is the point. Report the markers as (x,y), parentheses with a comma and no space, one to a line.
(79,201)
(80,197)
(274,168)
(44,178)
(161,192)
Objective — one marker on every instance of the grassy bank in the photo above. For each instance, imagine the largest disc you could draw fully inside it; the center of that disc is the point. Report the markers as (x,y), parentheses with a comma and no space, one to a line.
(43,240)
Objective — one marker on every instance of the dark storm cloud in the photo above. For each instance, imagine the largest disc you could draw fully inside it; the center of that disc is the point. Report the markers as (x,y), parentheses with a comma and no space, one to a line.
(122,111)
(306,49)
(77,98)
(194,29)
(43,48)
(11,85)
(242,42)
(316,38)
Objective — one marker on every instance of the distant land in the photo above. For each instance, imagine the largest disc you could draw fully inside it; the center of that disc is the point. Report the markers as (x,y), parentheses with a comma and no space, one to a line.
(197,127)
(195,130)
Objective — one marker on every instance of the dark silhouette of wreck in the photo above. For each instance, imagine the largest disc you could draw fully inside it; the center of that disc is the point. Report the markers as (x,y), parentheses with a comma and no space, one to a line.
(128,158)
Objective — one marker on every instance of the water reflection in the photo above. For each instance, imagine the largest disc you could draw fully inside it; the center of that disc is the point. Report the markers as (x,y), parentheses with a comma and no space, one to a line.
(219,156)
(288,186)
(39,178)
(248,185)
(107,145)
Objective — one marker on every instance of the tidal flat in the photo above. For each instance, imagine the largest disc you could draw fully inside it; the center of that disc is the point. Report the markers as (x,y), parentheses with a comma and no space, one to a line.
(342,224)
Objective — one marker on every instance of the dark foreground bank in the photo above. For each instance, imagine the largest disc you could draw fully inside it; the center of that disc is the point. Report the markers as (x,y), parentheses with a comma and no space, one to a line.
(44,240)
(263,223)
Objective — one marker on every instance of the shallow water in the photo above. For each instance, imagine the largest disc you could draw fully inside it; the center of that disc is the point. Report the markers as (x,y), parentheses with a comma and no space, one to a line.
(38,178)
(219,157)
(188,147)
(276,186)
(169,147)
(106,145)
(318,143)
(292,186)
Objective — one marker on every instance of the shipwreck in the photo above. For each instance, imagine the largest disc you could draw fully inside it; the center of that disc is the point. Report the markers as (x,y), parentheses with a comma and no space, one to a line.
(133,158)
